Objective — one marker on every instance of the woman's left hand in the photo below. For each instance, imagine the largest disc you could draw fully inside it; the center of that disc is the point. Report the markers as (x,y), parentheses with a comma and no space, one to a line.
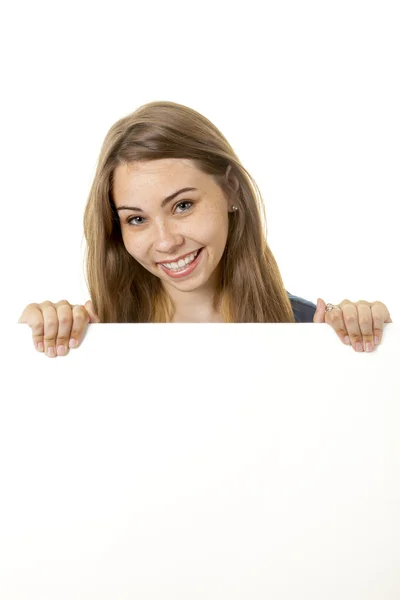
(361,321)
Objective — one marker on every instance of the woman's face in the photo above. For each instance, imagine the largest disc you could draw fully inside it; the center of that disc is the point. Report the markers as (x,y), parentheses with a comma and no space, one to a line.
(155,230)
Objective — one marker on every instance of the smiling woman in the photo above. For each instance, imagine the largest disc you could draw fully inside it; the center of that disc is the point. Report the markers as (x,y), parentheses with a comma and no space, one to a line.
(175,224)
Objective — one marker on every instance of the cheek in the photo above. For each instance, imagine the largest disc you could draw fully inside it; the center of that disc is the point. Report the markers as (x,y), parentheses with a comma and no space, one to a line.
(218,231)
(211,226)
(131,246)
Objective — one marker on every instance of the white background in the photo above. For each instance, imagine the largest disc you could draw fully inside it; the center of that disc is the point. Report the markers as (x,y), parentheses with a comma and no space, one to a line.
(307,93)
(246,467)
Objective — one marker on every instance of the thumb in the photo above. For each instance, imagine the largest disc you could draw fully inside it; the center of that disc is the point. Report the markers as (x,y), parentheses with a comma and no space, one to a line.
(319,315)
(93,317)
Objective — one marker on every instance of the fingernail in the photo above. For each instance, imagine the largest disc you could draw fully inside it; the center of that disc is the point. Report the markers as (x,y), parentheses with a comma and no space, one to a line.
(368,347)
(376,340)
(60,350)
(40,347)
(50,351)
(359,346)
(72,343)
(347,340)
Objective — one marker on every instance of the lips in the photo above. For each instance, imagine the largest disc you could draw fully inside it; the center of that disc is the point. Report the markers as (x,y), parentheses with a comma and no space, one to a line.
(179,258)
(186,271)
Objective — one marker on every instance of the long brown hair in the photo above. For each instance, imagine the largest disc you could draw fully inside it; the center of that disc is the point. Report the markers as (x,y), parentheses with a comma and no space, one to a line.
(250,289)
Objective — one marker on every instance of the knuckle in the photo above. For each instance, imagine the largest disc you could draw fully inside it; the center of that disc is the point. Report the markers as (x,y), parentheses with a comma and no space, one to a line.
(46,304)
(80,315)
(49,335)
(79,309)
(31,305)
(63,303)
(364,321)
(52,323)
(379,304)
(64,320)
(350,319)
(355,337)
(335,319)
(37,331)
(76,334)
(80,320)
(78,329)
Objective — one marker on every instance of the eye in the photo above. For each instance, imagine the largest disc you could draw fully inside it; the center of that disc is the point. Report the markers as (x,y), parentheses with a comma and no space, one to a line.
(131,220)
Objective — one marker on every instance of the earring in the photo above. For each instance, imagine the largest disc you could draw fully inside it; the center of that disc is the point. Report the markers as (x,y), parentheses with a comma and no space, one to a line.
(234,208)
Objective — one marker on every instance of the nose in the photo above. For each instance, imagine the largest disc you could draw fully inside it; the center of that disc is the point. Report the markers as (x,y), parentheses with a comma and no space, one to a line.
(167,240)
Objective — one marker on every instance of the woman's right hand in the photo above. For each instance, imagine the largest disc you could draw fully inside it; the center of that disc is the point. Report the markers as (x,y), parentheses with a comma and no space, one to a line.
(55,326)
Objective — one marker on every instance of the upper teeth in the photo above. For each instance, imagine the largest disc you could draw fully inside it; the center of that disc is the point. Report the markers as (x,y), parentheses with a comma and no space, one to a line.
(182,262)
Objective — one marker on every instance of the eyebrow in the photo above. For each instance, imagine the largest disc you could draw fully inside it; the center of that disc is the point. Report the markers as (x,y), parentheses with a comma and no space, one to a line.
(163,203)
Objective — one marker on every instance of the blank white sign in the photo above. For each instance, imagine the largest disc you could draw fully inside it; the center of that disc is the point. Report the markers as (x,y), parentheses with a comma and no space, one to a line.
(201,461)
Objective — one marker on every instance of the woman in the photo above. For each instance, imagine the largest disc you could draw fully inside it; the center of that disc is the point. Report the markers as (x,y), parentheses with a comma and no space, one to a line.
(169,187)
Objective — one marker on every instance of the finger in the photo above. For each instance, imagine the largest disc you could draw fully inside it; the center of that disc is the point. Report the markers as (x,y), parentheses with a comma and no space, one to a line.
(50,321)
(335,320)
(64,316)
(348,322)
(80,320)
(379,311)
(32,316)
(365,325)
(94,318)
(319,315)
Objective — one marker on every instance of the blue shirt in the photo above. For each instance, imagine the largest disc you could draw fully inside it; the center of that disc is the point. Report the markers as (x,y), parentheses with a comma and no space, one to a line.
(304,310)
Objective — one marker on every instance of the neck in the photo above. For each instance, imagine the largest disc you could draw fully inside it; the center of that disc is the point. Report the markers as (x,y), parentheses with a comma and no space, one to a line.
(197,306)
(200,316)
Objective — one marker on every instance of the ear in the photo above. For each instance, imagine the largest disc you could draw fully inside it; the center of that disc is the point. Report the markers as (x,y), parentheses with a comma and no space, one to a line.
(231,177)
(234,183)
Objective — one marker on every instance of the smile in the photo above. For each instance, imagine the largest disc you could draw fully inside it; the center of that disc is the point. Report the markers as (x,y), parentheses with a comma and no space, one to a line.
(182,261)
(182,268)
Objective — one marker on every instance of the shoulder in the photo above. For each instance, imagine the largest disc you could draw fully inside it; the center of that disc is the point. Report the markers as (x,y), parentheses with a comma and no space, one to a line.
(304,310)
